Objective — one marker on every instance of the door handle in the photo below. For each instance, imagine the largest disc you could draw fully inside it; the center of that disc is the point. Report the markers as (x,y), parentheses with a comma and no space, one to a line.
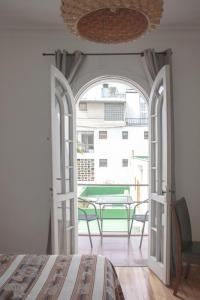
(170,191)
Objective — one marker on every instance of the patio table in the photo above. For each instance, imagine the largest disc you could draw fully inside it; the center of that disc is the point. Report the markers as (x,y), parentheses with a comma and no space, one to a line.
(125,201)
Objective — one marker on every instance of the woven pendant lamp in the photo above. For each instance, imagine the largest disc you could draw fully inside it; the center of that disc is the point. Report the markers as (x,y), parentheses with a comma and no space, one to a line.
(111,21)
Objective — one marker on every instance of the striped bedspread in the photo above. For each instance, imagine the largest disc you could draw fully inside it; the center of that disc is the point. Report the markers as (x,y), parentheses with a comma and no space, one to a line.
(86,277)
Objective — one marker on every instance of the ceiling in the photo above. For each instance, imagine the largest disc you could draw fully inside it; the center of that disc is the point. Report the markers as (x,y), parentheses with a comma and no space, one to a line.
(45,14)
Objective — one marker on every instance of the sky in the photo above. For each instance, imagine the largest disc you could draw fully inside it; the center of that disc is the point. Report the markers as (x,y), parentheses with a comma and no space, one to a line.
(95,92)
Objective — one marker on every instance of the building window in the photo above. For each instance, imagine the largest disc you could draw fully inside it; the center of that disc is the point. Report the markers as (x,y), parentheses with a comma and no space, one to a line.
(146,135)
(125,135)
(83,106)
(103,163)
(124,163)
(85,142)
(85,169)
(113,112)
(103,135)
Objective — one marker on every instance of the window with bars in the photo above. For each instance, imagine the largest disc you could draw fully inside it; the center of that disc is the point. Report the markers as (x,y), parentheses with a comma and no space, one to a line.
(85,169)
(125,135)
(102,135)
(124,162)
(103,163)
(114,112)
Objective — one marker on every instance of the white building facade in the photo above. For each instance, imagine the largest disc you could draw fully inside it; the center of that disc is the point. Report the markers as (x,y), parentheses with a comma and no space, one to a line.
(112,137)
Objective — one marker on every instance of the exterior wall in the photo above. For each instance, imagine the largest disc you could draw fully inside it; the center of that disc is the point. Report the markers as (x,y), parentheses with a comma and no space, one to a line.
(94,111)
(25,152)
(132,105)
(114,149)
(94,116)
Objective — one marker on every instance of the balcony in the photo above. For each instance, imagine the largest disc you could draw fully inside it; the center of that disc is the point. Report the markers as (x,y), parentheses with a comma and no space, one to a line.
(137,122)
(115,217)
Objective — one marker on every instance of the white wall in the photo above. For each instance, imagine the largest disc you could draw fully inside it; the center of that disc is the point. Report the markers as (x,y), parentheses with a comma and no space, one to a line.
(132,105)
(115,149)
(25,122)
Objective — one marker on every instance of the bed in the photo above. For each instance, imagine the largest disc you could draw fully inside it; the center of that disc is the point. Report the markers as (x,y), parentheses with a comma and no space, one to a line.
(76,277)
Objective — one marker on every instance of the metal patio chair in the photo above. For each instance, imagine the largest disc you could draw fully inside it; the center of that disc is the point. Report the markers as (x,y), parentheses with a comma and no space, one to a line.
(83,215)
(185,250)
(143,218)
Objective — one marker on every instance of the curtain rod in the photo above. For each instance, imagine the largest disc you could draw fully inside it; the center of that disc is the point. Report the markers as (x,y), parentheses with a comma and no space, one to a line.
(103,54)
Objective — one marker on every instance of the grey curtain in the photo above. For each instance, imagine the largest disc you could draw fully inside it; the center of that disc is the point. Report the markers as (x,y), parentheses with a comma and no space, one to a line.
(69,64)
(153,62)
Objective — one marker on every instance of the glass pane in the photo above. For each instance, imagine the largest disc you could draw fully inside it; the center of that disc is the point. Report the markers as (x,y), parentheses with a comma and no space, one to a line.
(58,137)
(153,214)
(153,243)
(160,88)
(84,138)
(61,230)
(65,223)
(164,148)
(113,112)
(90,139)
(160,231)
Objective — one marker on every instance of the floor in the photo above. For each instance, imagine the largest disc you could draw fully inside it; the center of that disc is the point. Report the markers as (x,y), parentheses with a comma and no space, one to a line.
(117,249)
(141,284)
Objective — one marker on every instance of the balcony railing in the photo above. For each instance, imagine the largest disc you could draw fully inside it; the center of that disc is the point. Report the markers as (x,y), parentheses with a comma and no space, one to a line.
(114,95)
(115,217)
(138,122)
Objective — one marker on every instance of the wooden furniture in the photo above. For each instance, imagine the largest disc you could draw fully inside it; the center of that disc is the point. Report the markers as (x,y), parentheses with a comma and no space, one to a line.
(186,250)
(140,283)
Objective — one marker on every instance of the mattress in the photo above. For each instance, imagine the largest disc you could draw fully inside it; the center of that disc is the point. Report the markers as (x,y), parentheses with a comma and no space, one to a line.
(76,277)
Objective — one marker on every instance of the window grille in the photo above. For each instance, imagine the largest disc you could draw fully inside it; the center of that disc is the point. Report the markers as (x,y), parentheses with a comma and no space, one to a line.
(114,112)
(85,169)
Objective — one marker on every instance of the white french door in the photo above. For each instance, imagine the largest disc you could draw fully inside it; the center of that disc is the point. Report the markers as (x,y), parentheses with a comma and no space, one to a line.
(160,175)
(63,138)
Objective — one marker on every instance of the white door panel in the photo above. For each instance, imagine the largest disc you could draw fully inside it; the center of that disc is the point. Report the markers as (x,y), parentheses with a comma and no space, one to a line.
(160,175)
(64,198)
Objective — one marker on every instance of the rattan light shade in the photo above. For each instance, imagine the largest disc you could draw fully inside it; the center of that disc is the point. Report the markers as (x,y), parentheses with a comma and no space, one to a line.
(111,21)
